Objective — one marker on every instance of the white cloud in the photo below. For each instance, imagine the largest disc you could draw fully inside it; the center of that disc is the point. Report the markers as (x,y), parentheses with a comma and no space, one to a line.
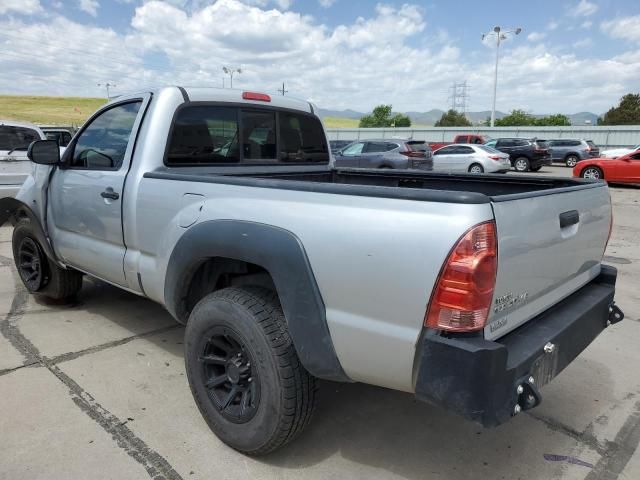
(536,36)
(378,58)
(326,3)
(585,42)
(584,8)
(89,6)
(26,7)
(281,4)
(586,24)
(625,28)
(552,25)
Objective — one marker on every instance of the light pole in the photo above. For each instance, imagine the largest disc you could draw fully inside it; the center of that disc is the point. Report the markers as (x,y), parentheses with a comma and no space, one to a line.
(500,35)
(230,71)
(107,85)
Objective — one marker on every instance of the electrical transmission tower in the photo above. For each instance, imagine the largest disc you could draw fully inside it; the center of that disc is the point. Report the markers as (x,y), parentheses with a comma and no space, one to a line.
(459,97)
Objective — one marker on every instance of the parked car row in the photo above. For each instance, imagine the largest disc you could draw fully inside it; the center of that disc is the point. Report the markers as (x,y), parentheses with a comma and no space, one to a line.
(385,153)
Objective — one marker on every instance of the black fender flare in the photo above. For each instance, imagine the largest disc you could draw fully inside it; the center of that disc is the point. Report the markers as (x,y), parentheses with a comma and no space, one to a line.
(12,210)
(279,252)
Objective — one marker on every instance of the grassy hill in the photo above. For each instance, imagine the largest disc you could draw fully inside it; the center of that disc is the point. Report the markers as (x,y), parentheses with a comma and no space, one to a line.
(340,122)
(48,110)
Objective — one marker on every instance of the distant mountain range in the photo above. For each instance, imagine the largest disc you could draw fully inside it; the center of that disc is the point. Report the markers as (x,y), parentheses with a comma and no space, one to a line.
(432,116)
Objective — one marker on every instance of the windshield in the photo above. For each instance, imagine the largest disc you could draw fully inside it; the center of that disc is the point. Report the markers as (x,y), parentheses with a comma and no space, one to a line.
(16,138)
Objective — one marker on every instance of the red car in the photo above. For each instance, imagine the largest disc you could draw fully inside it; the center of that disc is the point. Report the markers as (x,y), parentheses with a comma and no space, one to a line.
(625,169)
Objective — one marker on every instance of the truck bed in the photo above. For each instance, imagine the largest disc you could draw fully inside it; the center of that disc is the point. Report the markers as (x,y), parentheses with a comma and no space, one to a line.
(419,186)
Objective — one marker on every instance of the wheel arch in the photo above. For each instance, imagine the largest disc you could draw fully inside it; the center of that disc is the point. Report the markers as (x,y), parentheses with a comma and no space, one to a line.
(265,249)
(13,210)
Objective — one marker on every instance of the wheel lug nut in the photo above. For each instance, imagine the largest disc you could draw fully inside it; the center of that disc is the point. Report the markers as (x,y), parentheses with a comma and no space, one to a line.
(520,390)
(250,380)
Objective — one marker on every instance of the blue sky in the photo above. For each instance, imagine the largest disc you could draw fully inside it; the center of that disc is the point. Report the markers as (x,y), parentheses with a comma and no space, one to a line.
(572,55)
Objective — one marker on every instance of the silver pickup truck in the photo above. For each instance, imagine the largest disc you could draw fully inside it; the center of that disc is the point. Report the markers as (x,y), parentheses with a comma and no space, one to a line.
(469,291)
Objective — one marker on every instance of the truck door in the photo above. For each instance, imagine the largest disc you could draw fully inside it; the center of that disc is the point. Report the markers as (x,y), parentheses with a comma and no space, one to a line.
(85,195)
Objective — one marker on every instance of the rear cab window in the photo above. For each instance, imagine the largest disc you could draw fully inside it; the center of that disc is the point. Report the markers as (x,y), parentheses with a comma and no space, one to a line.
(223,135)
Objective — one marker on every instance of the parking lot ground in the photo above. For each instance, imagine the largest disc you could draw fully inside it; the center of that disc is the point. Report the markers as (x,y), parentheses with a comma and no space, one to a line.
(98,389)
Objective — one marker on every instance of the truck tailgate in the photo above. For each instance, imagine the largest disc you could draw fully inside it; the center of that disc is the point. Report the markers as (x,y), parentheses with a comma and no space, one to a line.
(548,247)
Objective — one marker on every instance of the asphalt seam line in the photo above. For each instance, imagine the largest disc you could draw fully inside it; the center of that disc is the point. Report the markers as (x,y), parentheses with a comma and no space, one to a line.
(620,450)
(65,357)
(582,437)
(157,467)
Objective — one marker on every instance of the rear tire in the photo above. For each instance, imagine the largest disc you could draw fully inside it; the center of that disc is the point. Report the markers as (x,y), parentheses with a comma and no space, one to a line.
(237,341)
(39,274)
(476,168)
(521,164)
(571,161)
(592,172)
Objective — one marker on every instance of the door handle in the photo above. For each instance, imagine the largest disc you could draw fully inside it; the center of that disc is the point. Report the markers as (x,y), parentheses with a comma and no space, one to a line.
(569,218)
(110,194)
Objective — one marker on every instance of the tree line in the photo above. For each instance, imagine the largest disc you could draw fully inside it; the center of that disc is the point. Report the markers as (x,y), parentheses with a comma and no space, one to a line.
(627,112)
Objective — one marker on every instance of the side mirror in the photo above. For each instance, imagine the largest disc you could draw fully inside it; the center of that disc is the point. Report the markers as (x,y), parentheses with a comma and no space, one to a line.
(44,152)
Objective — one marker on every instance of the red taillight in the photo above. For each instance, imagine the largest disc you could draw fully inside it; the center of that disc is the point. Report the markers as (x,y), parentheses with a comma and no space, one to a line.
(494,157)
(412,154)
(461,299)
(262,97)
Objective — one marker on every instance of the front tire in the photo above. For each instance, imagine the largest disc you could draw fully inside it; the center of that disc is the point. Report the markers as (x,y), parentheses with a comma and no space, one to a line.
(571,161)
(476,168)
(244,372)
(521,164)
(39,274)
(593,173)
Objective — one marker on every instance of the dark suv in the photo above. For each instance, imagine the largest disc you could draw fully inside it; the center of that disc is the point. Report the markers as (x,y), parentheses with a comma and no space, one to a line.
(386,153)
(570,151)
(526,154)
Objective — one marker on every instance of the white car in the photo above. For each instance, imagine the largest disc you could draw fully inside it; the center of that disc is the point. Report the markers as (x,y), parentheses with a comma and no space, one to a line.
(463,157)
(618,152)
(15,139)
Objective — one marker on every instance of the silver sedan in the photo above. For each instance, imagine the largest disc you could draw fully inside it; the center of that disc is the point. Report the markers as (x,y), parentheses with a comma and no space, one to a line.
(459,157)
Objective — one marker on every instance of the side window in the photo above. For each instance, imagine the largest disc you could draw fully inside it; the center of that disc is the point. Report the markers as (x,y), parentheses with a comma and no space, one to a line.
(354,149)
(376,147)
(66,138)
(462,139)
(390,146)
(635,156)
(505,143)
(521,143)
(258,135)
(204,135)
(465,150)
(102,145)
(302,139)
(477,141)
(445,151)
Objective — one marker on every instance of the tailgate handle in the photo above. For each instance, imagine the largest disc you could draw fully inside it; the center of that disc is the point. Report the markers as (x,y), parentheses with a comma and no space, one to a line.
(569,218)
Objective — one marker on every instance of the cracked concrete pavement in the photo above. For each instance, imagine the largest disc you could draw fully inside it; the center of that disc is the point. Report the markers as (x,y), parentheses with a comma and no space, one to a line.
(98,389)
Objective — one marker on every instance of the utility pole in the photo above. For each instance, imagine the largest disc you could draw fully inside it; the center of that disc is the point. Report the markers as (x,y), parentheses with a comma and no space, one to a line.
(282,90)
(500,35)
(107,85)
(230,71)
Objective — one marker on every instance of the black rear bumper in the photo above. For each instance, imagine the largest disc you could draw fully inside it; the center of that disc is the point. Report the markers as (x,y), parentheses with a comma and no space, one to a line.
(479,379)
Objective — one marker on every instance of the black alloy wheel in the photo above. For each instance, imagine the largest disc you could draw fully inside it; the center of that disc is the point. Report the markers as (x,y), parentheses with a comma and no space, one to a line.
(229,375)
(31,264)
